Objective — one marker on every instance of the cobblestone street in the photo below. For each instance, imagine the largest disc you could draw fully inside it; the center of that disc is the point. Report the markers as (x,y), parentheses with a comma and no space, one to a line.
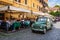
(26,34)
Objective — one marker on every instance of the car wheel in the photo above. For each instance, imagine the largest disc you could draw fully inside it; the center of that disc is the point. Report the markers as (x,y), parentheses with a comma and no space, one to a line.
(44,31)
(33,31)
(51,26)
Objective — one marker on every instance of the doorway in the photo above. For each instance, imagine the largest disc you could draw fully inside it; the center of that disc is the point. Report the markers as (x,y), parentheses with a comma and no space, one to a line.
(1,16)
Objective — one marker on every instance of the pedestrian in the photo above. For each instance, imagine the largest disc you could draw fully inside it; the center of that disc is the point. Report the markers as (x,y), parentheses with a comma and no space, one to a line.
(32,21)
(8,22)
(0,22)
(22,23)
(4,25)
(12,24)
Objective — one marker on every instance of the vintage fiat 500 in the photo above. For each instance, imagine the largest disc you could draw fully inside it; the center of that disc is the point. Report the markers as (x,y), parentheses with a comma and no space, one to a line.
(42,24)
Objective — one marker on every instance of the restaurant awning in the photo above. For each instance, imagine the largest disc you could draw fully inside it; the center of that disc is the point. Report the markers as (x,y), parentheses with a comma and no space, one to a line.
(12,8)
(3,8)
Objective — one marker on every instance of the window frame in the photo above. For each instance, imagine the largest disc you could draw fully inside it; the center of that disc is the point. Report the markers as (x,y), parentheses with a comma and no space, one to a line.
(19,1)
(25,2)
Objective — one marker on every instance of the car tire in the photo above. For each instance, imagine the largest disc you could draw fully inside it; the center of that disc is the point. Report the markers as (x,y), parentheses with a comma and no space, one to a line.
(33,31)
(51,26)
(44,31)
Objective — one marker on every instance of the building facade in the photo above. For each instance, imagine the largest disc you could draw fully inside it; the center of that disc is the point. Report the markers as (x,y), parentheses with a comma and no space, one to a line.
(19,8)
(45,5)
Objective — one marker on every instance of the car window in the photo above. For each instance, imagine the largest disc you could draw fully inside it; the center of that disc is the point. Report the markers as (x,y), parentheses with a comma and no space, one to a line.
(48,20)
(42,19)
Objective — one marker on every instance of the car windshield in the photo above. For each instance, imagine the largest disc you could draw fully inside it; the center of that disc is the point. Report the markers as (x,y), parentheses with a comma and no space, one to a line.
(42,19)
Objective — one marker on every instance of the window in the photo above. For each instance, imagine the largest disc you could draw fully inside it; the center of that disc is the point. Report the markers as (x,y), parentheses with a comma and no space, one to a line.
(25,1)
(18,1)
(41,1)
(15,0)
(33,5)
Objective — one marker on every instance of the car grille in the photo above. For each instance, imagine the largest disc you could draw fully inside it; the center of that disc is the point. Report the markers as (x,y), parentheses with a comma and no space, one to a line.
(36,27)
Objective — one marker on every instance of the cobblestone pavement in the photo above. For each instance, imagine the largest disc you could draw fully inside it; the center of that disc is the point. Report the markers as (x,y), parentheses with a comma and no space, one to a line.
(26,34)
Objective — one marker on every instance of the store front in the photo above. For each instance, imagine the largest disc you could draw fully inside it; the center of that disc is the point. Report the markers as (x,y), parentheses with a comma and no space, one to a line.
(13,12)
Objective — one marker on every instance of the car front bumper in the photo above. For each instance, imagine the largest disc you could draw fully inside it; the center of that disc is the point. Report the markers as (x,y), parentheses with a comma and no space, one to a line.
(37,29)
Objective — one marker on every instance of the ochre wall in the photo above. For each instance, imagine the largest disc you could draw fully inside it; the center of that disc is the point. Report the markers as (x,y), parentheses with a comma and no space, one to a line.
(23,5)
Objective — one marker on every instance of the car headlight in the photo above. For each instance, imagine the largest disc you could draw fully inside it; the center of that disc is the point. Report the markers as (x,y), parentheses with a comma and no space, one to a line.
(41,26)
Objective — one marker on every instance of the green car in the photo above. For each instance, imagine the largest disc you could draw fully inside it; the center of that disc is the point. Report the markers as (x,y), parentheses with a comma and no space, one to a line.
(26,23)
(42,24)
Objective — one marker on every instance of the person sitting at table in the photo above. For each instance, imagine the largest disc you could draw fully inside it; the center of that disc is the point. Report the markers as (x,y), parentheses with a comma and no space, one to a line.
(4,25)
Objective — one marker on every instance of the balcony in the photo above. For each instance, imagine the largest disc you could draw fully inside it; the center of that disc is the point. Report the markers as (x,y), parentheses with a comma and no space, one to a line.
(6,2)
(44,10)
(44,3)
